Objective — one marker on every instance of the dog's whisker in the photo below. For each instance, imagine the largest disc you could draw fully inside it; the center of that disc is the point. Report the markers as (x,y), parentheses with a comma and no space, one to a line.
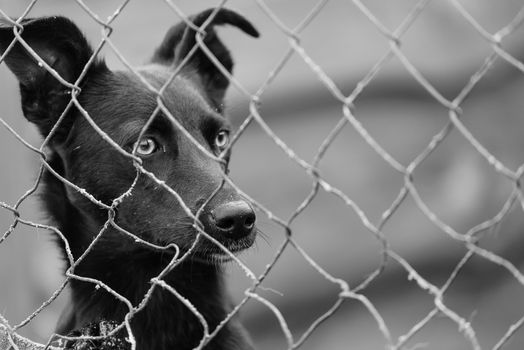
(264,237)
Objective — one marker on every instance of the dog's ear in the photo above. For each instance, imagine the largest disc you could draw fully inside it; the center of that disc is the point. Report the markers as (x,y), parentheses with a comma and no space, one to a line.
(180,40)
(60,44)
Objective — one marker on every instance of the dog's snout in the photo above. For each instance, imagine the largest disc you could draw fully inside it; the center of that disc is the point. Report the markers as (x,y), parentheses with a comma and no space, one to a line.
(233,220)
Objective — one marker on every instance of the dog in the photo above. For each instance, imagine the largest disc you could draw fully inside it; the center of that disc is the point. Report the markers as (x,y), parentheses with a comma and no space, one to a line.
(147,218)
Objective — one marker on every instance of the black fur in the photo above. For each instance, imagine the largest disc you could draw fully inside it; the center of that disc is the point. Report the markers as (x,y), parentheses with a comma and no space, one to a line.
(120,105)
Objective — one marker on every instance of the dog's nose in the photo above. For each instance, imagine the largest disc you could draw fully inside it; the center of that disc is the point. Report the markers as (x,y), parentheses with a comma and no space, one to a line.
(234,220)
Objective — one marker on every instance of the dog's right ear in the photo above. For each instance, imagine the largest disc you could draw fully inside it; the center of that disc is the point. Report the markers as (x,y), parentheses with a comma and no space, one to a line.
(180,40)
(60,44)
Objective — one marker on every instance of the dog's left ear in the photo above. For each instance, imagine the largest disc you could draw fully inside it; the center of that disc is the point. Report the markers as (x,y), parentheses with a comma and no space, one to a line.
(180,40)
(60,44)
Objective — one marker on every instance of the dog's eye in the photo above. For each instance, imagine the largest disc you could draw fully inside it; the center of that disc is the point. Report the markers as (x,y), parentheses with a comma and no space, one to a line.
(146,146)
(222,139)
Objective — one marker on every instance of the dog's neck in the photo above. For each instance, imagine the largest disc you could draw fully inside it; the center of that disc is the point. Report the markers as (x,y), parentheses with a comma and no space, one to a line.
(164,321)
(163,312)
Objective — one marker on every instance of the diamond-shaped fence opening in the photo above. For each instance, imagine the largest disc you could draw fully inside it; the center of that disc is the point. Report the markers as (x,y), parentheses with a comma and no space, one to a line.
(386,180)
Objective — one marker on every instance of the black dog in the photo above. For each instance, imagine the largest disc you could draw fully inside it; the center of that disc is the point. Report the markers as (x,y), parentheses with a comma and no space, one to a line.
(120,104)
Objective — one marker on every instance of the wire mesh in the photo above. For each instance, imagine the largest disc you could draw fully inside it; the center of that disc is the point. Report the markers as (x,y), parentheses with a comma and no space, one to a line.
(470,239)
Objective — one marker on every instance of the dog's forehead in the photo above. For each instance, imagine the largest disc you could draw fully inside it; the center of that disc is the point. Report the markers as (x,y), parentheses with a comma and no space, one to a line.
(181,92)
(121,104)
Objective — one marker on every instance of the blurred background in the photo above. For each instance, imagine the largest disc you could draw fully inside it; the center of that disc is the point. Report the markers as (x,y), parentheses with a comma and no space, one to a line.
(455,181)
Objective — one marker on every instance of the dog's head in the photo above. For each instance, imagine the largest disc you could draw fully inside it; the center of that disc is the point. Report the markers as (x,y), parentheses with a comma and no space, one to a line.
(119,104)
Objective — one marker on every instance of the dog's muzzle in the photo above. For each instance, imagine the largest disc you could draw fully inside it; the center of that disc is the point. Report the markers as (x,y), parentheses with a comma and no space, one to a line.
(230,221)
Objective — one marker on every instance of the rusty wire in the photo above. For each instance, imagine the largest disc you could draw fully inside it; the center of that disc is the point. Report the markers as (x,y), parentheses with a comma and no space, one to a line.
(348,119)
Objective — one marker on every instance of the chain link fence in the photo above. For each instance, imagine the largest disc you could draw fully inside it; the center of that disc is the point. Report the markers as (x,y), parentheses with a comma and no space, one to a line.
(470,239)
